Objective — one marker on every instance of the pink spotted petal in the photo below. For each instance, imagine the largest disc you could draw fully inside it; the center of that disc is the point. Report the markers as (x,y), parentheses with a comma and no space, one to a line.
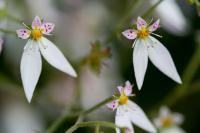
(154,26)
(23,33)
(36,22)
(47,28)
(141,23)
(128,88)
(113,105)
(120,89)
(129,34)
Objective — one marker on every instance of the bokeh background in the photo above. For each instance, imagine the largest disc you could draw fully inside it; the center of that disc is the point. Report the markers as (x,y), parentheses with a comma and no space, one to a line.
(78,23)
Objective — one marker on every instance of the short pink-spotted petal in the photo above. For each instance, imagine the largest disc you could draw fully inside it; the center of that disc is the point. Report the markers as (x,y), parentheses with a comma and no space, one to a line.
(113,105)
(154,26)
(47,28)
(128,88)
(23,33)
(141,23)
(129,34)
(120,89)
(36,22)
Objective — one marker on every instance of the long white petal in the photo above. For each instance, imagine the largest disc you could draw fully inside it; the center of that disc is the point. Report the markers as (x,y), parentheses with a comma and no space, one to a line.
(30,68)
(122,120)
(54,57)
(162,59)
(140,61)
(138,117)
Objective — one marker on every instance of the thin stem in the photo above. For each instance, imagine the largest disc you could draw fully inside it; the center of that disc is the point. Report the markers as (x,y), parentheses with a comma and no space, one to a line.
(89,124)
(62,119)
(58,122)
(97,129)
(127,13)
(97,106)
(151,9)
(26,26)
(123,19)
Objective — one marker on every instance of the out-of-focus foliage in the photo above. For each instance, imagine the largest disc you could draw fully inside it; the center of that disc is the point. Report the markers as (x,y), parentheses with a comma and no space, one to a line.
(96,56)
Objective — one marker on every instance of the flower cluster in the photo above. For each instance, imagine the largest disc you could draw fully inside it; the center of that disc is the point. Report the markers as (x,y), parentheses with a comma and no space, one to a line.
(96,56)
(146,46)
(31,62)
(128,111)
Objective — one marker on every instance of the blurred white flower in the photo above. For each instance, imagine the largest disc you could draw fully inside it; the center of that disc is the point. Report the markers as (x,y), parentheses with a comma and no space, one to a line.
(128,111)
(148,46)
(31,63)
(173,20)
(168,122)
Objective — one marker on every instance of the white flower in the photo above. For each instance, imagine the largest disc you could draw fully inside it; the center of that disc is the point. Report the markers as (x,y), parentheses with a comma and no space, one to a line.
(168,122)
(128,111)
(148,46)
(173,20)
(31,63)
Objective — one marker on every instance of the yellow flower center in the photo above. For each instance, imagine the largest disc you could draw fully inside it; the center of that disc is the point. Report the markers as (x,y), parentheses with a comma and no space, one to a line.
(167,122)
(143,33)
(123,99)
(36,34)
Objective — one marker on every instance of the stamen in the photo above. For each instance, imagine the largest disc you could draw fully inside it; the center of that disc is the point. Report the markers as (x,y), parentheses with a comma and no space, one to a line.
(123,99)
(36,34)
(150,22)
(134,43)
(26,26)
(167,122)
(143,33)
(156,35)
(132,95)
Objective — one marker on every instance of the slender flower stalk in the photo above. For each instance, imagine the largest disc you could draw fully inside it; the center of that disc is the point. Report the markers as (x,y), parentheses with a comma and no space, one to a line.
(169,10)
(145,45)
(31,62)
(128,111)
(91,123)
(56,125)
